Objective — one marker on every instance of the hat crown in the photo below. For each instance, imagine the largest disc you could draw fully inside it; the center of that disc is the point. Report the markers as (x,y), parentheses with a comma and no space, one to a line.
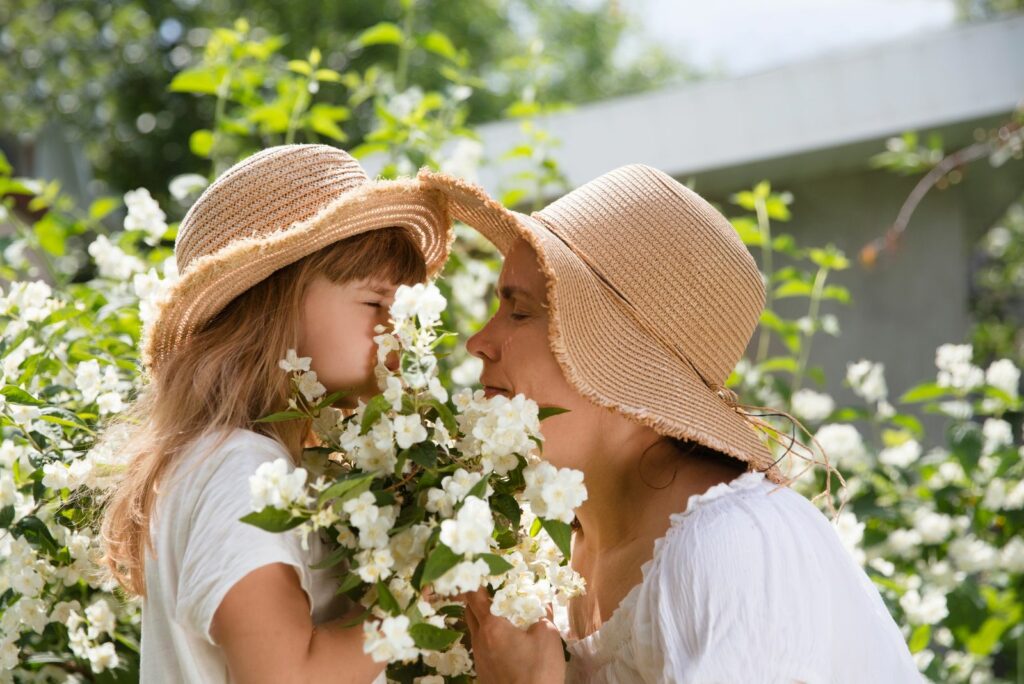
(676,259)
(265,193)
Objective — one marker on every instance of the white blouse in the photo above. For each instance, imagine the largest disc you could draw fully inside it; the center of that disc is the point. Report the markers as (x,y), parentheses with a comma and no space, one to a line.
(749,584)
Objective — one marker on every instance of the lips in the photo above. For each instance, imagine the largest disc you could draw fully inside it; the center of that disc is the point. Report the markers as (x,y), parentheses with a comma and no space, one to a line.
(491,391)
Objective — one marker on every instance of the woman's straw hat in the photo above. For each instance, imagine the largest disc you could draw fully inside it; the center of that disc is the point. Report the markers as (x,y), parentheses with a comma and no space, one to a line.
(652,298)
(270,210)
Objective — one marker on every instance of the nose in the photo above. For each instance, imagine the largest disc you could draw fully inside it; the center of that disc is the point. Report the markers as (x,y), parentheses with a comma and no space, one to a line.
(483,344)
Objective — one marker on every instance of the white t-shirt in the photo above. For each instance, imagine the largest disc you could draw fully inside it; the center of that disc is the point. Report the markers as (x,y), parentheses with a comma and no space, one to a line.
(749,584)
(202,550)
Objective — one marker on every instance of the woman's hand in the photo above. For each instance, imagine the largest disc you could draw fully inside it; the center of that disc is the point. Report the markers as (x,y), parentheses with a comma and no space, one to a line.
(505,654)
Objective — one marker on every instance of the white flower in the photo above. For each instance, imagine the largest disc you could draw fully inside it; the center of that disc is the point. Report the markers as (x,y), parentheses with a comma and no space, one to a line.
(971,554)
(867,380)
(933,527)
(374,564)
(812,406)
(997,434)
(929,609)
(186,185)
(145,214)
(310,387)
(451,663)
(103,657)
(362,510)
(902,455)
(1004,376)
(409,430)
(464,577)
(902,541)
(293,363)
(393,393)
(843,445)
(470,532)
(109,402)
(437,390)
(389,641)
(112,261)
(554,493)
(101,619)
(1013,555)
(955,367)
(274,484)
(422,300)
(464,160)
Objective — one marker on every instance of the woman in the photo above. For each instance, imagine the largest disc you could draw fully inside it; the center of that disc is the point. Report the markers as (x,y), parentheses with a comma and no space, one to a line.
(293,248)
(629,301)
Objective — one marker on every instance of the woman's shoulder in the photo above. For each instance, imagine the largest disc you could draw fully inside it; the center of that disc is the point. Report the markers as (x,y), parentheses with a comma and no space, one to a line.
(744,525)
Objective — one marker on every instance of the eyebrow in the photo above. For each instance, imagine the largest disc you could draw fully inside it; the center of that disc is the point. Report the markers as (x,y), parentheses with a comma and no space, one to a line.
(510,291)
(382,290)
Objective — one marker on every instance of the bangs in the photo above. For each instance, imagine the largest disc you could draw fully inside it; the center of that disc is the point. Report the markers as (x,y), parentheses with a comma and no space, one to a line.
(388,253)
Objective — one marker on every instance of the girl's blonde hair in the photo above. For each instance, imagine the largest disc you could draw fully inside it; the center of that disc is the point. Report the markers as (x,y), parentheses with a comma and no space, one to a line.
(226,377)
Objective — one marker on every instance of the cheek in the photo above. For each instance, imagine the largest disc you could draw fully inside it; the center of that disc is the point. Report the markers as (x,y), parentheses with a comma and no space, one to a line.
(342,348)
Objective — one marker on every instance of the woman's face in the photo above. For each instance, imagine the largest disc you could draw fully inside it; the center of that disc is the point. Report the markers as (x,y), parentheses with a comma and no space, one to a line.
(337,331)
(518,360)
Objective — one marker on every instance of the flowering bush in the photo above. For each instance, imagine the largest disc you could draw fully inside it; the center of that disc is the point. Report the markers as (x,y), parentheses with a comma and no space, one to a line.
(422,494)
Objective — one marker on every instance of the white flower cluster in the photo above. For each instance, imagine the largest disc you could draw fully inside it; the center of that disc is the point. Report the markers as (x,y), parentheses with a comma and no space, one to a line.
(145,214)
(276,483)
(105,388)
(388,524)
(112,261)
(553,493)
(812,406)
(844,445)
(496,429)
(955,368)
(32,299)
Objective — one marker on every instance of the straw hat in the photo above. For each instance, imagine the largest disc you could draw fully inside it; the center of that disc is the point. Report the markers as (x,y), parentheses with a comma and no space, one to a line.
(652,298)
(270,210)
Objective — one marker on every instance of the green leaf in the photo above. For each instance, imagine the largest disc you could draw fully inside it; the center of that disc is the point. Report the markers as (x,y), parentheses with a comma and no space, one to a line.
(924,392)
(439,44)
(384,33)
(281,416)
(36,532)
(549,411)
(535,527)
(561,534)
(446,416)
(16,395)
(300,67)
(507,505)
(323,124)
(919,639)
(779,363)
(330,399)
(201,143)
(6,516)
(441,560)
(346,489)
(332,559)
(429,637)
(374,410)
(351,581)
(423,454)
(202,81)
(103,206)
(794,288)
(496,563)
(387,600)
(51,234)
(273,519)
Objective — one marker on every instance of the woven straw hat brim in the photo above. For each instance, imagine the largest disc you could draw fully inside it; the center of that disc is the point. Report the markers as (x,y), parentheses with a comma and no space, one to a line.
(604,354)
(212,281)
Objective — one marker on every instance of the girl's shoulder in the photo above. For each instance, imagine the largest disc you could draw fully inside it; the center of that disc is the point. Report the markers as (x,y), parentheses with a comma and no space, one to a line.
(227,452)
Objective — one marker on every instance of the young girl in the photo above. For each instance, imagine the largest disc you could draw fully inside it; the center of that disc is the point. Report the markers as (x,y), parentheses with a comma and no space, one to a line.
(628,302)
(292,248)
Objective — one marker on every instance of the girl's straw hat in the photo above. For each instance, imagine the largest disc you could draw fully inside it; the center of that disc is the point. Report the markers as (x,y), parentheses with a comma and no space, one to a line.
(270,210)
(652,297)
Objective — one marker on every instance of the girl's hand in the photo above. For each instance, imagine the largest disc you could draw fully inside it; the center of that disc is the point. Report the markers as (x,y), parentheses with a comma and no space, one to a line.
(505,654)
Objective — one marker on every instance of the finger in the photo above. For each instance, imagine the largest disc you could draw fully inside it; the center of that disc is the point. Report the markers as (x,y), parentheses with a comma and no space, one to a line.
(471,621)
(551,612)
(480,602)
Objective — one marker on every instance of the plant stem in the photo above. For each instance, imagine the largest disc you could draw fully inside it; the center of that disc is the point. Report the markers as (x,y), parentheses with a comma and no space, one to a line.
(812,313)
(765,227)
(402,71)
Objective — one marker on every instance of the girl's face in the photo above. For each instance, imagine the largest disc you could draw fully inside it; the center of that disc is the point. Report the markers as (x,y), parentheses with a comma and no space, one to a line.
(518,360)
(337,331)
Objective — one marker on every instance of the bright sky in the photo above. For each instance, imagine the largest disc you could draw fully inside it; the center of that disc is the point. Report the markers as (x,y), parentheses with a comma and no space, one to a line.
(742,36)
